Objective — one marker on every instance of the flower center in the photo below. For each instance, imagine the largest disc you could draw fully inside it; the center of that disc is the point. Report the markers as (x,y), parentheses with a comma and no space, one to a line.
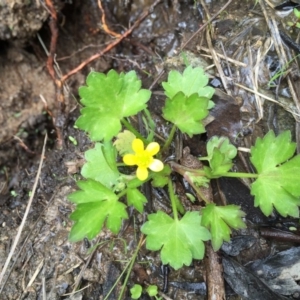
(144,159)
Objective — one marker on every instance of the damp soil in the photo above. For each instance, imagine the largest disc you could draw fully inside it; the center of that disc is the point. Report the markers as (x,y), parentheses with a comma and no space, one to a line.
(45,265)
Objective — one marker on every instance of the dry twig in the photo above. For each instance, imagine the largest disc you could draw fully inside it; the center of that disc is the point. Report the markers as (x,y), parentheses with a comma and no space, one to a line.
(104,24)
(112,45)
(17,238)
(214,269)
(272,24)
(202,27)
(233,61)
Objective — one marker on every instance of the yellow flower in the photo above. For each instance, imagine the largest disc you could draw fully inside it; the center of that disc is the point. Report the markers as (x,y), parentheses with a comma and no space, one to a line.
(143,158)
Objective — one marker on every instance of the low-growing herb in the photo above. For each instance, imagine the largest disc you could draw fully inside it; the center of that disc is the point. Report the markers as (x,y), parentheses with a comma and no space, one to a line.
(122,160)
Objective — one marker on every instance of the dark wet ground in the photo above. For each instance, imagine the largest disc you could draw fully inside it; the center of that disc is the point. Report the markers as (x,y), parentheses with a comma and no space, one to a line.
(45,262)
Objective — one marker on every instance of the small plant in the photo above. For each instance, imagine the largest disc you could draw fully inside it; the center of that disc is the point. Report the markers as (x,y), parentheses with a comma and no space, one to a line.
(123,160)
(281,72)
(297,22)
(151,290)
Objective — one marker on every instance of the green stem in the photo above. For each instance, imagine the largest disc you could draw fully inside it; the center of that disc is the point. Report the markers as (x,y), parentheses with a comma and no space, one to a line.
(170,139)
(133,130)
(173,201)
(121,194)
(124,192)
(180,169)
(131,266)
(239,175)
(118,279)
(121,165)
(198,191)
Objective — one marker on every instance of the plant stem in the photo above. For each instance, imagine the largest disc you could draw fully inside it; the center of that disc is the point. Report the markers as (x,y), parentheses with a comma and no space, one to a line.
(118,279)
(239,175)
(121,165)
(198,191)
(173,201)
(180,169)
(133,130)
(170,139)
(123,193)
(131,266)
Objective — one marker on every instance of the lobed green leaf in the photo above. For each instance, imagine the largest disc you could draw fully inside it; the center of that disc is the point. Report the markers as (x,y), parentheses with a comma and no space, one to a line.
(160,179)
(101,164)
(219,163)
(192,81)
(123,142)
(96,204)
(179,240)
(225,147)
(278,181)
(107,100)
(186,112)
(271,151)
(136,199)
(219,219)
(220,153)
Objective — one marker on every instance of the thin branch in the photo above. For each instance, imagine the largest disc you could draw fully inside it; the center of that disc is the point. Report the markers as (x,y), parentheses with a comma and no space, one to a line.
(205,24)
(17,238)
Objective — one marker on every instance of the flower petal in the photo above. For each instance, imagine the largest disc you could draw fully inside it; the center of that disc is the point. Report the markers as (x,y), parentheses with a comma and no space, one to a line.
(137,145)
(141,173)
(129,159)
(156,165)
(153,148)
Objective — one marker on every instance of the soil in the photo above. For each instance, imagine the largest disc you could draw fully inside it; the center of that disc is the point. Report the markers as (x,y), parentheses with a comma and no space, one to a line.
(45,265)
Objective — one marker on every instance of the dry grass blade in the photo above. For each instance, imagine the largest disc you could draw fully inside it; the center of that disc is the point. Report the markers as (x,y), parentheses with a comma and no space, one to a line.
(32,279)
(21,248)
(233,61)
(205,24)
(17,238)
(79,277)
(253,78)
(214,55)
(272,24)
(296,115)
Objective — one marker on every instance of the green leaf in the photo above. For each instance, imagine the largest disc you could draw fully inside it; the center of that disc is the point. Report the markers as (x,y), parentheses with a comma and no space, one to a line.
(192,81)
(179,240)
(179,205)
(136,199)
(223,144)
(198,180)
(219,154)
(278,181)
(107,100)
(152,290)
(123,143)
(96,204)
(101,164)
(272,151)
(136,291)
(219,163)
(186,112)
(219,219)
(160,179)
(297,13)
(134,183)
